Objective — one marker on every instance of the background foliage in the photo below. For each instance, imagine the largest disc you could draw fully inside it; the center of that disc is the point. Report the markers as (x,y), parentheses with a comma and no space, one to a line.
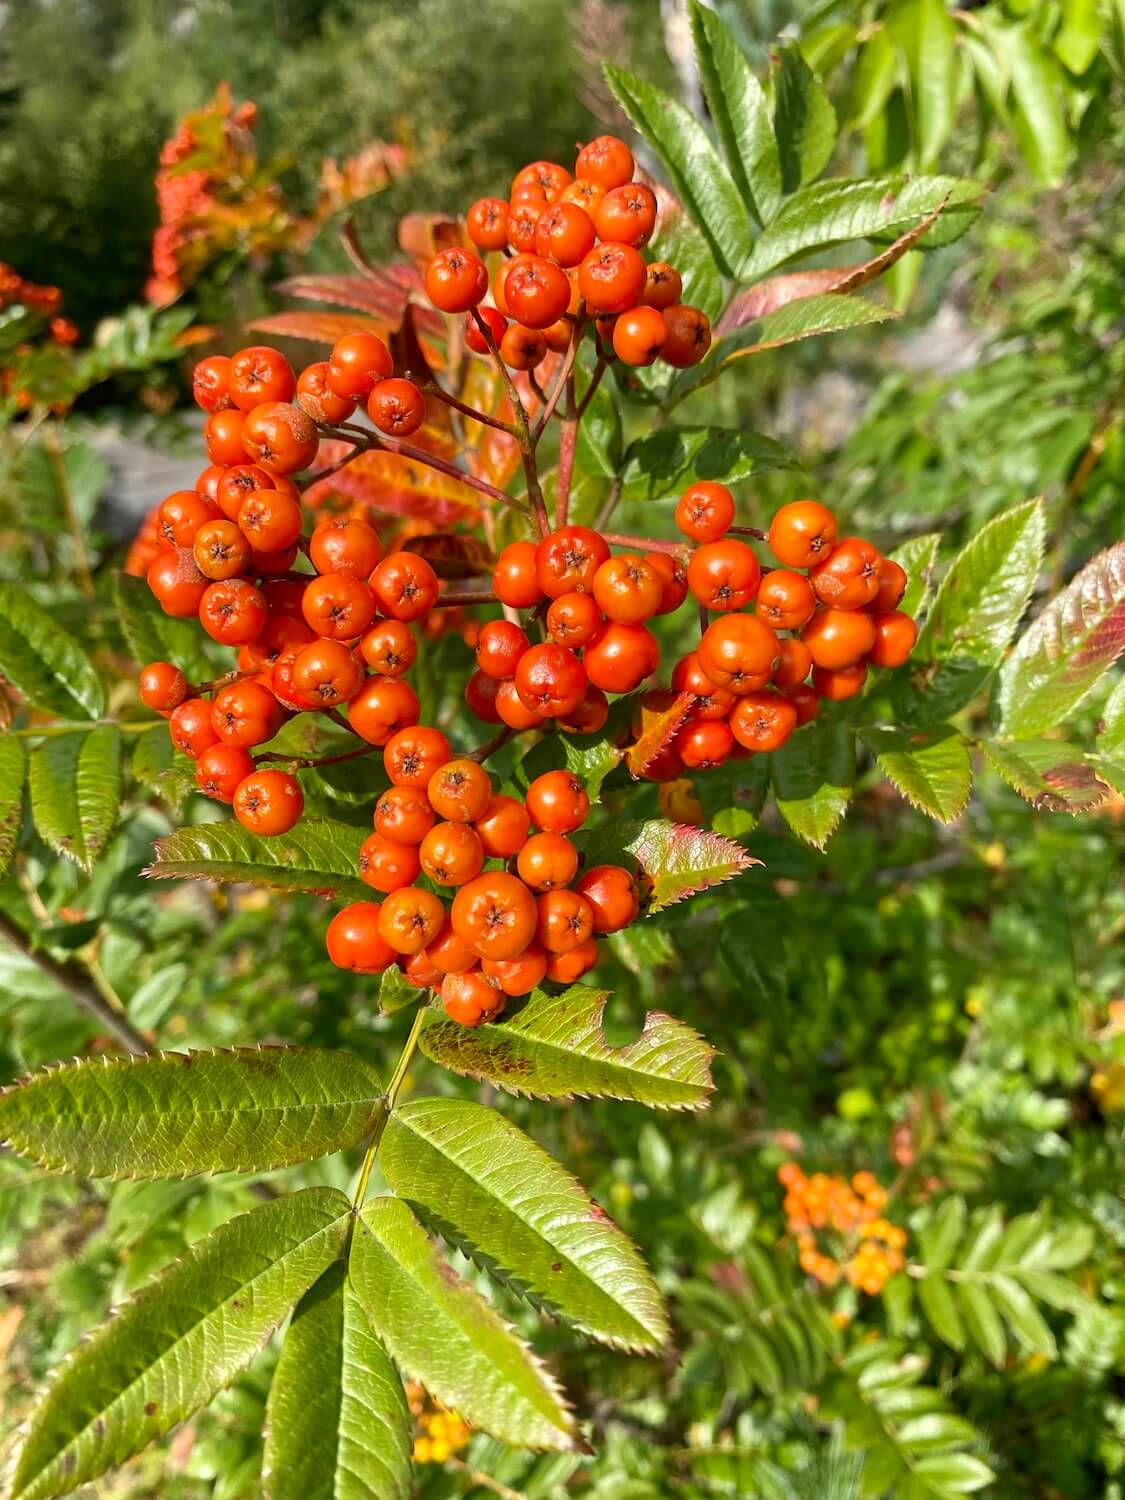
(938,1003)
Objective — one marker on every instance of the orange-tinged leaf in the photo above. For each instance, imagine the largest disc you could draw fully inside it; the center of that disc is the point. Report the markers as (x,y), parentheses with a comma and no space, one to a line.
(659,717)
(676,860)
(386,483)
(319,327)
(422,236)
(452,554)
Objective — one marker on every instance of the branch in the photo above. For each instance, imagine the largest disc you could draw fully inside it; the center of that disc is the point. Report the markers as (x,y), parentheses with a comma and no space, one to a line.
(646,544)
(465,596)
(754,531)
(523,429)
(367,441)
(432,388)
(595,380)
(310,763)
(490,746)
(561,380)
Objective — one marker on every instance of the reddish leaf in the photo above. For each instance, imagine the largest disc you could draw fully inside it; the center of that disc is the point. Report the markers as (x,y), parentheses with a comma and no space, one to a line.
(421,236)
(320,327)
(1050,774)
(678,861)
(657,721)
(776,291)
(452,554)
(383,294)
(393,486)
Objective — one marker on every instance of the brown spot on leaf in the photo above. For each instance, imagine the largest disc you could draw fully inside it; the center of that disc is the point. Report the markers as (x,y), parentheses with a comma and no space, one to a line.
(150,1408)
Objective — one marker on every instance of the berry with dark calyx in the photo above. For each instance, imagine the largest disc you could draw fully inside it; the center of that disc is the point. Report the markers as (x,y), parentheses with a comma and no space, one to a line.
(711,702)
(404,814)
(627,215)
(405,586)
(574,619)
(550,680)
(566,561)
(785,600)
(389,647)
(522,348)
(547,861)
(612,894)
(410,919)
(705,511)
(628,589)
(162,686)
(345,545)
(283,687)
(386,865)
(315,396)
(565,234)
(849,576)
(470,998)
(606,161)
(269,803)
(238,484)
(338,606)
(357,361)
(459,790)
(663,285)
(233,612)
(245,714)
(455,280)
(411,756)
(763,721)
(500,645)
(536,291)
(895,634)
(181,515)
(396,407)
(724,575)
(270,520)
(260,374)
(585,193)
(354,942)
(495,915)
(703,743)
(673,579)
(557,802)
(738,652)
(523,221)
(519,975)
(839,637)
(487,223)
(545,177)
(687,338)
(210,383)
(564,921)
(802,533)
(327,672)
(280,437)
(220,770)
(620,657)
(611,279)
(451,854)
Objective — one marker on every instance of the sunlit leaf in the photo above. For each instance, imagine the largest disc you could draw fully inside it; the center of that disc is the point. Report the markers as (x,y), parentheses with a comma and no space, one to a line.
(42,662)
(1049,774)
(813,778)
(75,785)
(930,767)
(318,855)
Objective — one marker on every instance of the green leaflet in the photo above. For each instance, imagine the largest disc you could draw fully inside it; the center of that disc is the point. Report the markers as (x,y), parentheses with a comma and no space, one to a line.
(833,212)
(813,778)
(679,240)
(804,121)
(803,318)
(1110,741)
(1050,774)
(930,767)
(469,1168)
(75,784)
(13,768)
(177,1342)
(740,110)
(873,79)
(697,174)
(442,1332)
(45,664)
(976,610)
(918,557)
(663,463)
(247,1110)
(554,1047)
(678,860)
(1038,102)
(1062,656)
(924,33)
(318,855)
(151,634)
(337,1423)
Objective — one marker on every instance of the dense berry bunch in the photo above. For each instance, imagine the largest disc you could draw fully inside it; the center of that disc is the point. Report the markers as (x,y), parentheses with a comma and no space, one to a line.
(869,1247)
(561,247)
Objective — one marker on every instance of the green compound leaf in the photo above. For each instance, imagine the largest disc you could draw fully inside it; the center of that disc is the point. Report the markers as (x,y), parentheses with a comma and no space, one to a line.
(554,1047)
(918,557)
(151,634)
(247,1110)
(472,1172)
(924,33)
(813,778)
(169,1349)
(740,111)
(803,120)
(75,784)
(930,767)
(665,462)
(442,1332)
(832,213)
(677,239)
(977,609)
(337,1423)
(319,855)
(802,318)
(694,167)
(1049,774)
(13,770)
(42,662)
(677,859)
(1063,655)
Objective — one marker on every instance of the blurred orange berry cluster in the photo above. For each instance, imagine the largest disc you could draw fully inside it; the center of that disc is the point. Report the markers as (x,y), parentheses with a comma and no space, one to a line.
(441,1433)
(215,196)
(872,1247)
(40,302)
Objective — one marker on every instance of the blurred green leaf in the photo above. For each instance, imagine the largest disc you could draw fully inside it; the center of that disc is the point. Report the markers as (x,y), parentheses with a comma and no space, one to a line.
(75,784)
(13,770)
(813,778)
(42,662)
(930,767)
(804,120)
(740,112)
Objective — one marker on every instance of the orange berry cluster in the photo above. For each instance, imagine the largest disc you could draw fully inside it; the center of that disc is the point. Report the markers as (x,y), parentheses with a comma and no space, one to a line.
(568,244)
(521,911)
(441,1432)
(873,1250)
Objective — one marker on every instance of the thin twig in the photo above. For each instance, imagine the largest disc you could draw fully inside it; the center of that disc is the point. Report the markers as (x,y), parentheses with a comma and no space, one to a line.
(561,380)
(487,749)
(465,596)
(439,393)
(363,440)
(309,763)
(523,430)
(646,543)
(568,444)
(595,380)
(754,531)
(609,505)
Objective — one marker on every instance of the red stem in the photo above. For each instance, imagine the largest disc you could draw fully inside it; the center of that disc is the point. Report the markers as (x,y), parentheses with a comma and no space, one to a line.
(646,544)
(465,596)
(364,440)
(435,390)
(481,755)
(761,536)
(523,430)
(561,380)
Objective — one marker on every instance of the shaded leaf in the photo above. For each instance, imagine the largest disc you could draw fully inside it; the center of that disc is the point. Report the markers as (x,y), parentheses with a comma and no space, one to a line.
(42,662)
(924,33)
(318,327)
(470,1169)
(697,175)
(1111,727)
(677,239)
(813,778)
(873,79)
(665,462)
(1049,774)
(930,767)
(740,111)
(175,1113)
(1038,100)
(918,557)
(151,634)
(318,855)
(443,1333)
(1062,656)
(382,293)
(983,1322)
(554,1047)
(75,784)
(13,768)
(803,119)
(177,1342)
(337,1423)
(941,1309)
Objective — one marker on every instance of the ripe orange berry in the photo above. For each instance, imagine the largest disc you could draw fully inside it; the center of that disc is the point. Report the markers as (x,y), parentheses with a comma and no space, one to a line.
(794,663)
(405,586)
(487,223)
(611,279)
(269,802)
(470,998)
(704,743)
(711,702)
(338,606)
(564,233)
(705,511)
(344,545)
(411,756)
(448,954)
(503,826)
(354,941)
(221,550)
(688,336)
(849,576)
(220,770)
(500,645)
(557,802)
(605,161)
(838,637)
(210,383)
(673,580)
(315,396)
(546,861)
(895,634)
(182,514)
(724,575)
(397,407)
(357,361)
(519,975)
(459,790)
(892,586)
(452,853)
(162,686)
(511,708)
(245,714)
(785,600)
(260,374)
(536,291)
(802,533)
(495,915)
(627,589)
(270,520)
(455,280)
(327,672)
(613,897)
(382,707)
(566,561)
(663,285)
(480,697)
(237,484)
(574,619)
(627,215)
(410,919)
(566,968)
(389,648)
(584,192)
(280,437)
(387,865)
(523,221)
(620,657)
(222,437)
(638,335)
(545,177)
(233,612)
(839,685)
(550,680)
(190,728)
(522,348)
(738,652)
(514,580)
(564,920)
(763,721)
